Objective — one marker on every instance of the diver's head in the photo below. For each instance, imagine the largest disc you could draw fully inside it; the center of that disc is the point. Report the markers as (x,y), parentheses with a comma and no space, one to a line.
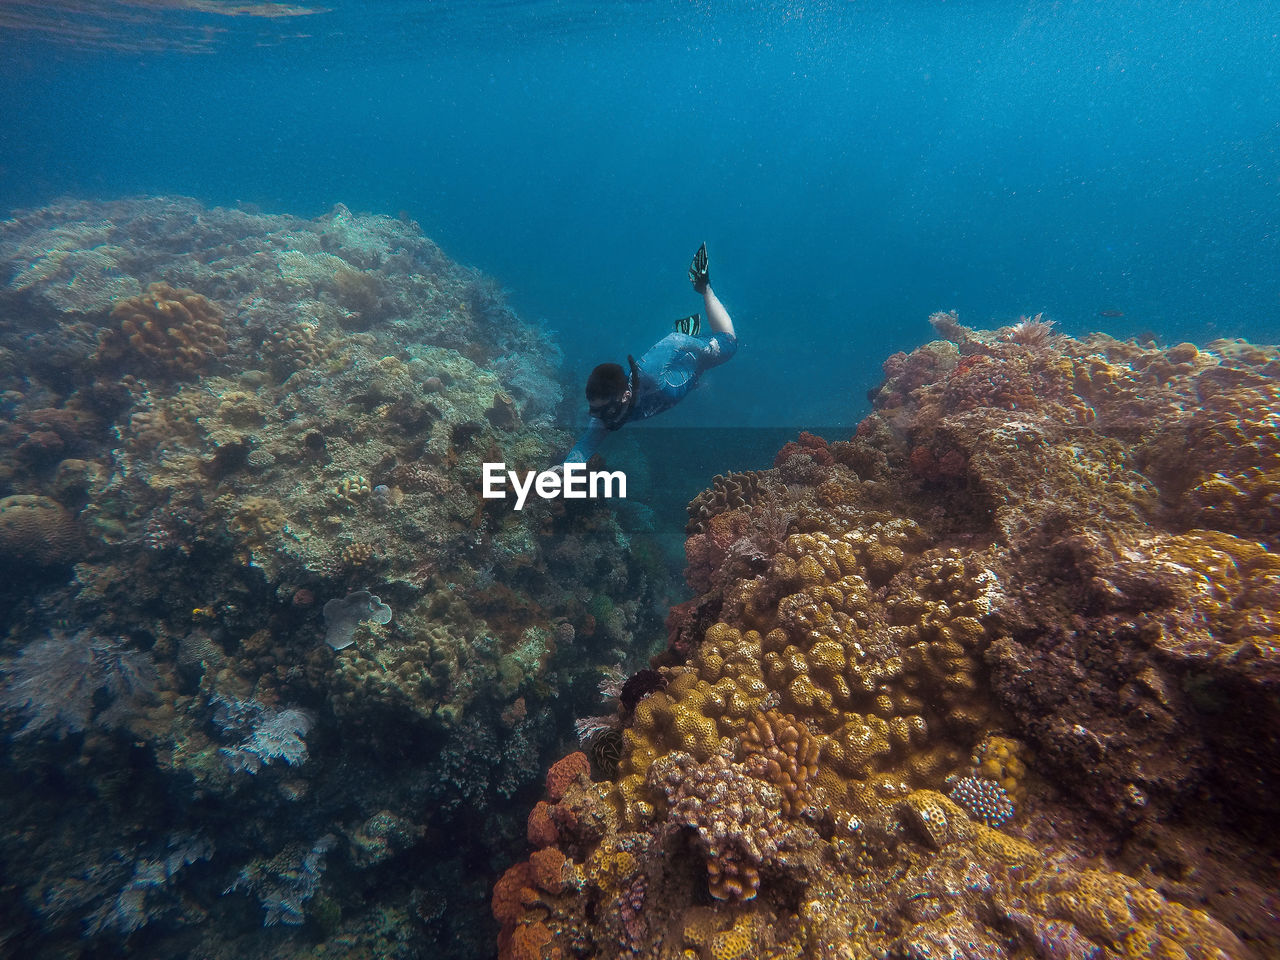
(609,394)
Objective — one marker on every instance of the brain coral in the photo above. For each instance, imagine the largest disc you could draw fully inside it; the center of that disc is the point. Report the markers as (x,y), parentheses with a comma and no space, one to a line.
(169,332)
(36,530)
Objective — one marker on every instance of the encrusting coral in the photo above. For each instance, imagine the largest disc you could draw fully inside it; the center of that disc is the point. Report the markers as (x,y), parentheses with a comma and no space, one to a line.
(993,687)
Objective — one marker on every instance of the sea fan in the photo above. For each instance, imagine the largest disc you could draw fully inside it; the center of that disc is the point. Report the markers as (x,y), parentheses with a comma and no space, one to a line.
(266,733)
(286,882)
(54,683)
(150,892)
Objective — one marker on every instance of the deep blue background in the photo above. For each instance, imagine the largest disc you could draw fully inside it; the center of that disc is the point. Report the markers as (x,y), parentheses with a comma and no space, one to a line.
(853,166)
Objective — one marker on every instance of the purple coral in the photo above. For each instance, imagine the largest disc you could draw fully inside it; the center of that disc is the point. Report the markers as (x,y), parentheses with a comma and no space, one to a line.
(984,800)
(630,904)
(738,817)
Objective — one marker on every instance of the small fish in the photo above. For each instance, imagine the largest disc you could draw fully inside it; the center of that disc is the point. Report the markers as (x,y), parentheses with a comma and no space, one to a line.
(1111,314)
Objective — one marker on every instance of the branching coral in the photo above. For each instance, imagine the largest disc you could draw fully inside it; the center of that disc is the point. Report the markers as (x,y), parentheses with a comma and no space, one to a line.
(780,751)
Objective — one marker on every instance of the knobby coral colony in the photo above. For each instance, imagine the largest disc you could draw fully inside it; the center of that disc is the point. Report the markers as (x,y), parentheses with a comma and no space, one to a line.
(997,677)
(217,426)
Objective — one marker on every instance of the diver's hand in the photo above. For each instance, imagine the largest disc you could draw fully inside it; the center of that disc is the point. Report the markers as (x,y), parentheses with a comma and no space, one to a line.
(699,275)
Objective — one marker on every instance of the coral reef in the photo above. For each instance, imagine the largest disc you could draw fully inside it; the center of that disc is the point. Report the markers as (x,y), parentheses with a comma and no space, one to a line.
(252,593)
(994,678)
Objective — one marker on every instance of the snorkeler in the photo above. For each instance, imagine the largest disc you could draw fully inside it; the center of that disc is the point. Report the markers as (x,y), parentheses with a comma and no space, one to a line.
(662,377)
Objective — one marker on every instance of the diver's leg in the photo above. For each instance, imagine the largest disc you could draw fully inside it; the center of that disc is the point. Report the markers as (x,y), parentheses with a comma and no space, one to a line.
(717,315)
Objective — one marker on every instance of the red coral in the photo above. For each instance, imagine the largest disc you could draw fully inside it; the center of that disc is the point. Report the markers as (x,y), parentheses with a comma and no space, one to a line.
(510,894)
(41,445)
(969,363)
(525,942)
(936,464)
(923,463)
(952,463)
(566,821)
(50,433)
(725,529)
(564,771)
(547,868)
(687,623)
(816,447)
(705,552)
(895,365)
(541,828)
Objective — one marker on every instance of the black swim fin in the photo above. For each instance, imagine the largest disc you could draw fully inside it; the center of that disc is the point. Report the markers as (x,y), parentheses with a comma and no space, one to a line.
(699,275)
(692,325)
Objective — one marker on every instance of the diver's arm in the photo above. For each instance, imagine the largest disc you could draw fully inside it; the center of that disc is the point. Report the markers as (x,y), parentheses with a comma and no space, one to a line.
(588,442)
(717,315)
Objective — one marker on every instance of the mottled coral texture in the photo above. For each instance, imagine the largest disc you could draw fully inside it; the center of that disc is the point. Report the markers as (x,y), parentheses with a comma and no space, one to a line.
(1038,578)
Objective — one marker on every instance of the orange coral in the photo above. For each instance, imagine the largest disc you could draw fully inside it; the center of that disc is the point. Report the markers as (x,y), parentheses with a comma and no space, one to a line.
(564,771)
(541,828)
(526,942)
(781,751)
(547,868)
(513,889)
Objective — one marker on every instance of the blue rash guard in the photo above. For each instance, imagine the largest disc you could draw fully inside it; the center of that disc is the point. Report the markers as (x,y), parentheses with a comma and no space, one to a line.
(668,371)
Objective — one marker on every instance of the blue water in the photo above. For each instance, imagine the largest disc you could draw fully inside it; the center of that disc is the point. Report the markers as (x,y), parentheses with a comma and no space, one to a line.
(852,166)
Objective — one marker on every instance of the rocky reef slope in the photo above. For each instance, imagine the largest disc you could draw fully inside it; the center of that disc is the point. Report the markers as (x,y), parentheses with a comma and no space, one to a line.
(997,678)
(268,657)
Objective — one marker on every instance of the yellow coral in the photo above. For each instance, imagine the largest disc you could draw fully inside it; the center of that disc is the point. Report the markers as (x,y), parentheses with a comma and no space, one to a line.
(353,489)
(608,866)
(704,934)
(170,331)
(730,945)
(257,520)
(1000,759)
(935,819)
